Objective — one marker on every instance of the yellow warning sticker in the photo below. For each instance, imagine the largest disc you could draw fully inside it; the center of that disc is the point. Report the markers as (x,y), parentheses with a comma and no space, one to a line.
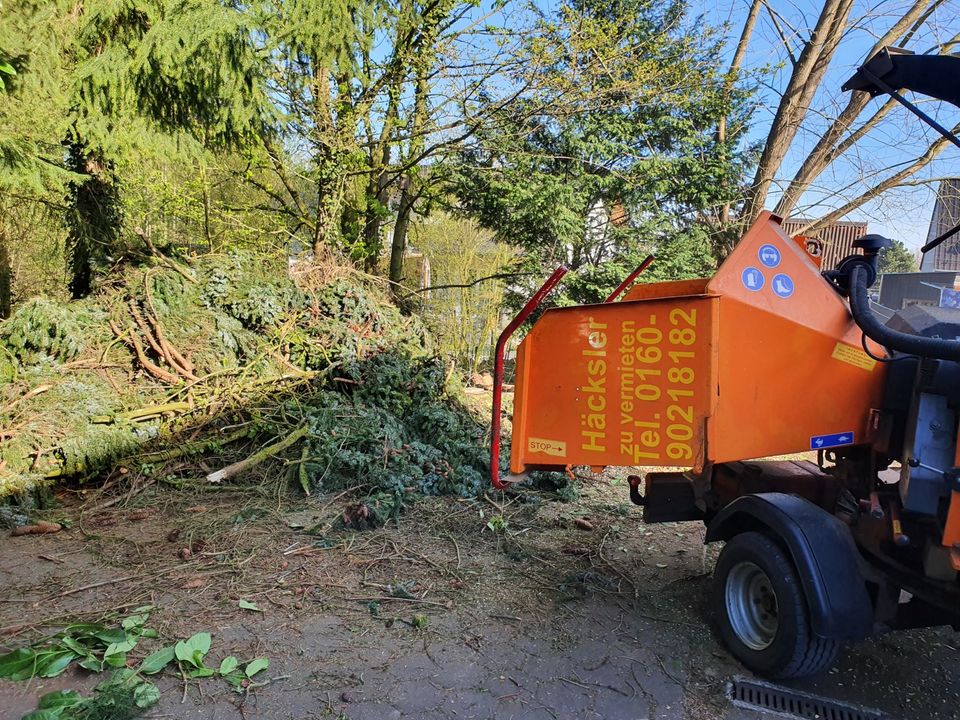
(853,356)
(555,448)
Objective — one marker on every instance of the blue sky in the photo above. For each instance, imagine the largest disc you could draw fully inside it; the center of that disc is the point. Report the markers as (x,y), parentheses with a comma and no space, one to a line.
(902,213)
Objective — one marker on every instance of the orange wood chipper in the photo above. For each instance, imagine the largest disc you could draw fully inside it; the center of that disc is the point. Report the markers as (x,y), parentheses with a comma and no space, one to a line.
(770,357)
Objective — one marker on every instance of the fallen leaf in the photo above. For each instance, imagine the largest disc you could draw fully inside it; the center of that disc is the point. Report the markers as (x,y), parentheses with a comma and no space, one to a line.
(583,524)
(247,605)
(255,666)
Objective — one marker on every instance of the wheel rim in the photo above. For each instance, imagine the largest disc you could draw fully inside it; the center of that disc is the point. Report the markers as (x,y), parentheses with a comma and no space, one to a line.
(751,605)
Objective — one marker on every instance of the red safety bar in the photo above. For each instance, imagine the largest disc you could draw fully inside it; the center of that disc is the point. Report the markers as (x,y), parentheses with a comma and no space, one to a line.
(630,278)
(527,310)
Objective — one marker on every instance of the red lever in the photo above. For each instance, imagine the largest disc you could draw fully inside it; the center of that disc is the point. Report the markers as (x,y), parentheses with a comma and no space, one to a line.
(629,279)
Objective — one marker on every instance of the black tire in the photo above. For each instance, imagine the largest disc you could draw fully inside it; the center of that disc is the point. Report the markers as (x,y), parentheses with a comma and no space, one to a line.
(773,636)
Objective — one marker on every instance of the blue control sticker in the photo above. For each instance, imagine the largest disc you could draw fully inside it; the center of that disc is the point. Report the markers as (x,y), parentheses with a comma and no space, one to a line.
(751,278)
(818,442)
(782,285)
(769,255)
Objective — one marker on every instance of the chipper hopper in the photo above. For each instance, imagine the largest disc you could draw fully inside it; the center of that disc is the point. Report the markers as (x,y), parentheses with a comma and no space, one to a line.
(771,356)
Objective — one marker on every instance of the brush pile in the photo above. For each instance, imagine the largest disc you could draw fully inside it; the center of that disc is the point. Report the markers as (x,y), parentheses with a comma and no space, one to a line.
(232,357)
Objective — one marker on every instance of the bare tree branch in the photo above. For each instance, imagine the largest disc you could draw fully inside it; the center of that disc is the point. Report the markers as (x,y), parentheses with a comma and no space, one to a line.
(804,80)
(496,276)
(826,149)
(895,180)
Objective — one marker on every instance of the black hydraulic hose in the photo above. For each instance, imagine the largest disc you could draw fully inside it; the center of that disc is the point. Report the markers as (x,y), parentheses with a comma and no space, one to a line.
(880,333)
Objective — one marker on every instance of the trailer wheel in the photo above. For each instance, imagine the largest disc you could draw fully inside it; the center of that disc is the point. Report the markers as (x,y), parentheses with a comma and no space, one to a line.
(761,610)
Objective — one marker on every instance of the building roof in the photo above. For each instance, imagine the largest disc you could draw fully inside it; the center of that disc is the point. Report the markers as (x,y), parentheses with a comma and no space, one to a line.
(946,216)
(837,238)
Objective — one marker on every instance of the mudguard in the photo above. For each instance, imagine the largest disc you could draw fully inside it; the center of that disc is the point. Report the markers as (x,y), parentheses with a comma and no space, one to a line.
(823,552)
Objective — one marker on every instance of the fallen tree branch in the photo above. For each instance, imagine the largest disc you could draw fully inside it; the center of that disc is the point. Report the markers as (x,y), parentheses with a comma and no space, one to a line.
(144,328)
(155,370)
(38,390)
(91,586)
(130,338)
(173,356)
(258,457)
(145,413)
(190,449)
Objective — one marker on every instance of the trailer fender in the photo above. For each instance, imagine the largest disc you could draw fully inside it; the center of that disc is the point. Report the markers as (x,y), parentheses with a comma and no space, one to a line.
(822,550)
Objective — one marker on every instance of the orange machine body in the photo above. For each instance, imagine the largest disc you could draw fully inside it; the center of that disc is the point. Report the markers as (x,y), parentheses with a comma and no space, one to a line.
(763,359)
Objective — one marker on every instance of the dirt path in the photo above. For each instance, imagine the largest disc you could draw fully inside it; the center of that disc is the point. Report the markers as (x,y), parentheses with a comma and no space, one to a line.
(517,612)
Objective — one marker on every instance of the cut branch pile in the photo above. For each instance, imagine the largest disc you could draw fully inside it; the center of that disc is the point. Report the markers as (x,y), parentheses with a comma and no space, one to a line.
(230,359)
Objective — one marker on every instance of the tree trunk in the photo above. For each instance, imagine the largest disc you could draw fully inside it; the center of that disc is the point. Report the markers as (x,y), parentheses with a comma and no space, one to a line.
(826,150)
(94,218)
(6,279)
(807,73)
(378,197)
(417,141)
(329,206)
(398,245)
(329,180)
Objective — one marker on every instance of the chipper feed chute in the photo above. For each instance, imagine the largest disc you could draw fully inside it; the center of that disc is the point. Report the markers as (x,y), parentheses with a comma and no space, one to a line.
(763,359)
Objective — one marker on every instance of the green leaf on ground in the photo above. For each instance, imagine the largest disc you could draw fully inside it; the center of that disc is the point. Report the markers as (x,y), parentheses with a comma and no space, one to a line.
(19,664)
(420,621)
(145,695)
(135,622)
(247,605)
(59,699)
(116,653)
(55,663)
(91,663)
(52,714)
(228,665)
(157,661)
(194,649)
(255,666)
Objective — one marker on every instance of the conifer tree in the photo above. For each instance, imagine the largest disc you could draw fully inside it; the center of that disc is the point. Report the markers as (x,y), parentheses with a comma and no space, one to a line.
(185,65)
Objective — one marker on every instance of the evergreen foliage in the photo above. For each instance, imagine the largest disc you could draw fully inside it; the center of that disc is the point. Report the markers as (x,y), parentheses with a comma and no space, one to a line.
(896,259)
(42,330)
(187,65)
(619,156)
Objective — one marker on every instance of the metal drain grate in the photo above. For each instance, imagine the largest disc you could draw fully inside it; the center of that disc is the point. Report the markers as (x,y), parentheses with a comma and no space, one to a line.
(754,695)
